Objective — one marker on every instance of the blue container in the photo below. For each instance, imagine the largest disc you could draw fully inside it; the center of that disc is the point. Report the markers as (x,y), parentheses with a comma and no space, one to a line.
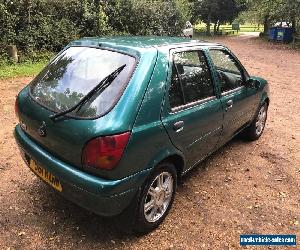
(273,34)
(284,35)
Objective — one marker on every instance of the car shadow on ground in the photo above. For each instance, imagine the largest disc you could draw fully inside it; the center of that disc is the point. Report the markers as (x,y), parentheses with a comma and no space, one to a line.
(85,226)
(200,168)
(64,217)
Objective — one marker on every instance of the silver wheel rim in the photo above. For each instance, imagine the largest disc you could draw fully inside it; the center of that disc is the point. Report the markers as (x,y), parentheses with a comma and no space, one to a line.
(261,120)
(158,197)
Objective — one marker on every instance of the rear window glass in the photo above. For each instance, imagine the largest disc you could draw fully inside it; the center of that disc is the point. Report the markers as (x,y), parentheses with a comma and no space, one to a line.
(75,72)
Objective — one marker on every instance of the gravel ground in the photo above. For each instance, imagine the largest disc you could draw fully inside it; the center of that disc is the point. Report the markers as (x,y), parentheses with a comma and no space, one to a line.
(243,188)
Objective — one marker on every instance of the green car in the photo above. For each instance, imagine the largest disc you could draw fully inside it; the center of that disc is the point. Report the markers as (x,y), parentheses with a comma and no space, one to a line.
(112,123)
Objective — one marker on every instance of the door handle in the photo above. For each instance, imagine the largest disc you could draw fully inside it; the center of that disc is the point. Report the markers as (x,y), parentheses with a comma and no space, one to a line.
(229,104)
(178,126)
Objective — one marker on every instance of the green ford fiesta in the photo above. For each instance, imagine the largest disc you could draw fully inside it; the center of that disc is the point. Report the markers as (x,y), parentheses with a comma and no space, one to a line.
(112,123)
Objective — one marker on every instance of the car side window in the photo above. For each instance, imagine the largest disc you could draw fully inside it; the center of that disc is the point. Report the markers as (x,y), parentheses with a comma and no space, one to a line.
(191,79)
(228,70)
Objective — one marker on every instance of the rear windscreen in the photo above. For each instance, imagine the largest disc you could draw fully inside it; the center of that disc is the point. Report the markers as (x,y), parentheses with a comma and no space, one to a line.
(75,72)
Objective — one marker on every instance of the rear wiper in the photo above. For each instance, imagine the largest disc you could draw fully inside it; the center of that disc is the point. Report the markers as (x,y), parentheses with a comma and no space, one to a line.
(100,87)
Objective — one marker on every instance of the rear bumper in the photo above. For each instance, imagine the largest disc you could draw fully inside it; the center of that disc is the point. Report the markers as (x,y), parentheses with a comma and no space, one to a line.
(103,197)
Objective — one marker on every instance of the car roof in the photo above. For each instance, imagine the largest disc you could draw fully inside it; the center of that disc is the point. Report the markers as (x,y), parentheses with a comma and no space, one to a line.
(136,42)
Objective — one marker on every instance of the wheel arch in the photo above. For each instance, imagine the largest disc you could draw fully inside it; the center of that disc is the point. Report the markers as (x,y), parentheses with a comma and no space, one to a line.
(265,96)
(266,100)
(175,157)
(177,161)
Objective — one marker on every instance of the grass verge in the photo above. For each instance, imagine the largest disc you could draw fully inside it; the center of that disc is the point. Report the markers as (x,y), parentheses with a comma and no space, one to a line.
(243,28)
(21,69)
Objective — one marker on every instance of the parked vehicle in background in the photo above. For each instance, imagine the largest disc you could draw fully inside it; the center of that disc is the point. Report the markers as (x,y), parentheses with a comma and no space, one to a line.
(112,123)
(283,24)
(189,30)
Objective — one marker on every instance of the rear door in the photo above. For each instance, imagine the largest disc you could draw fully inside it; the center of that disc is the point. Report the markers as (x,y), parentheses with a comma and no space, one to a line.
(238,101)
(192,114)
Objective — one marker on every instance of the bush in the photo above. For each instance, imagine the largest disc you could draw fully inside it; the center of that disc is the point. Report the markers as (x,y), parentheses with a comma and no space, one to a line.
(35,25)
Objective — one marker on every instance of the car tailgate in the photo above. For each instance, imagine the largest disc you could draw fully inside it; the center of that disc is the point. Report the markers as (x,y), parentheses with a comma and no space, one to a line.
(64,139)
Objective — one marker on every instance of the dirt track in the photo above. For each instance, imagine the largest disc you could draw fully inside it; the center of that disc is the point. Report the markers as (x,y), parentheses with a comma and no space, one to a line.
(243,188)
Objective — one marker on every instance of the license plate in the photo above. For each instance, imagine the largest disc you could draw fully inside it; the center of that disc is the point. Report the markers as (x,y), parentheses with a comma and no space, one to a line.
(45,175)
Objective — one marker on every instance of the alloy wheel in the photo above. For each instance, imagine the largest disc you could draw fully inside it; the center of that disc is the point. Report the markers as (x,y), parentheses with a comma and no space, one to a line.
(158,197)
(261,120)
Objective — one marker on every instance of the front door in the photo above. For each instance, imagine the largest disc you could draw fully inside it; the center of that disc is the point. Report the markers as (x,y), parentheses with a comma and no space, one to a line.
(238,101)
(192,114)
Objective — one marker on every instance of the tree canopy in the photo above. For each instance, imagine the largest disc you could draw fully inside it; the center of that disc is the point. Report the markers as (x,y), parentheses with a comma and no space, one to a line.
(260,11)
(271,11)
(217,11)
(34,25)
(51,24)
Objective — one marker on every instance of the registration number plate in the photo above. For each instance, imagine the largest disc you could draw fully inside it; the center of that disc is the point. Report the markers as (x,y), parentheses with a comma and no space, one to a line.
(45,175)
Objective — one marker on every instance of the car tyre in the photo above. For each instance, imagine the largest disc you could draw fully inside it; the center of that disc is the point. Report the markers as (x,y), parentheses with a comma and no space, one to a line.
(256,128)
(156,198)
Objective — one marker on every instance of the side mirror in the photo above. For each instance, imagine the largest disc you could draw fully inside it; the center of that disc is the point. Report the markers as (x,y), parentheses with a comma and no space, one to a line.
(252,83)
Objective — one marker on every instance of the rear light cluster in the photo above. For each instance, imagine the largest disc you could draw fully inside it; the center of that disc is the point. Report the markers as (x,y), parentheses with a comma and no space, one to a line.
(105,152)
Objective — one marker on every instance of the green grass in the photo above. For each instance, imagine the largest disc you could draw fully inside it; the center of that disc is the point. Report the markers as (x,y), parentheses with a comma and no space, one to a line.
(21,69)
(251,29)
(201,27)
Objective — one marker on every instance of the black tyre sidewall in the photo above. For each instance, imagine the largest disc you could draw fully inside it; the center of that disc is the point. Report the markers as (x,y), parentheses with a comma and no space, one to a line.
(252,135)
(141,224)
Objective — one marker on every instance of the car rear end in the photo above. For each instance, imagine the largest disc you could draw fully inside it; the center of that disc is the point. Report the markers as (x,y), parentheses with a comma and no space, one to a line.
(80,153)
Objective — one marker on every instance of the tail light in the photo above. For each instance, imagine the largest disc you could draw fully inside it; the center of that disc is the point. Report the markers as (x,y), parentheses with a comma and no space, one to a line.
(105,152)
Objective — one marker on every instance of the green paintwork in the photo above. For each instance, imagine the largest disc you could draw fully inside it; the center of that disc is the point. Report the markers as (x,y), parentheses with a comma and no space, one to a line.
(144,110)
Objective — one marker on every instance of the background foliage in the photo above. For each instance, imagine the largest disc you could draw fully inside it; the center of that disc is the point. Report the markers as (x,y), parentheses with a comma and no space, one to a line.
(48,25)
(38,27)
(265,12)
(268,12)
(217,11)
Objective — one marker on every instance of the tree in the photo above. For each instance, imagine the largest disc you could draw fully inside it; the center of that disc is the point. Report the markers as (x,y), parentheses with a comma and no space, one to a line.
(217,11)
(204,9)
(291,12)
(34,25)
(270,11)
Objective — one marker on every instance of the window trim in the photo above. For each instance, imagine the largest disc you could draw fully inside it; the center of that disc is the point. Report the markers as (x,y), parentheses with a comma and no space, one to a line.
(189,105)
(192,104)
(180,82)
(232,91)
